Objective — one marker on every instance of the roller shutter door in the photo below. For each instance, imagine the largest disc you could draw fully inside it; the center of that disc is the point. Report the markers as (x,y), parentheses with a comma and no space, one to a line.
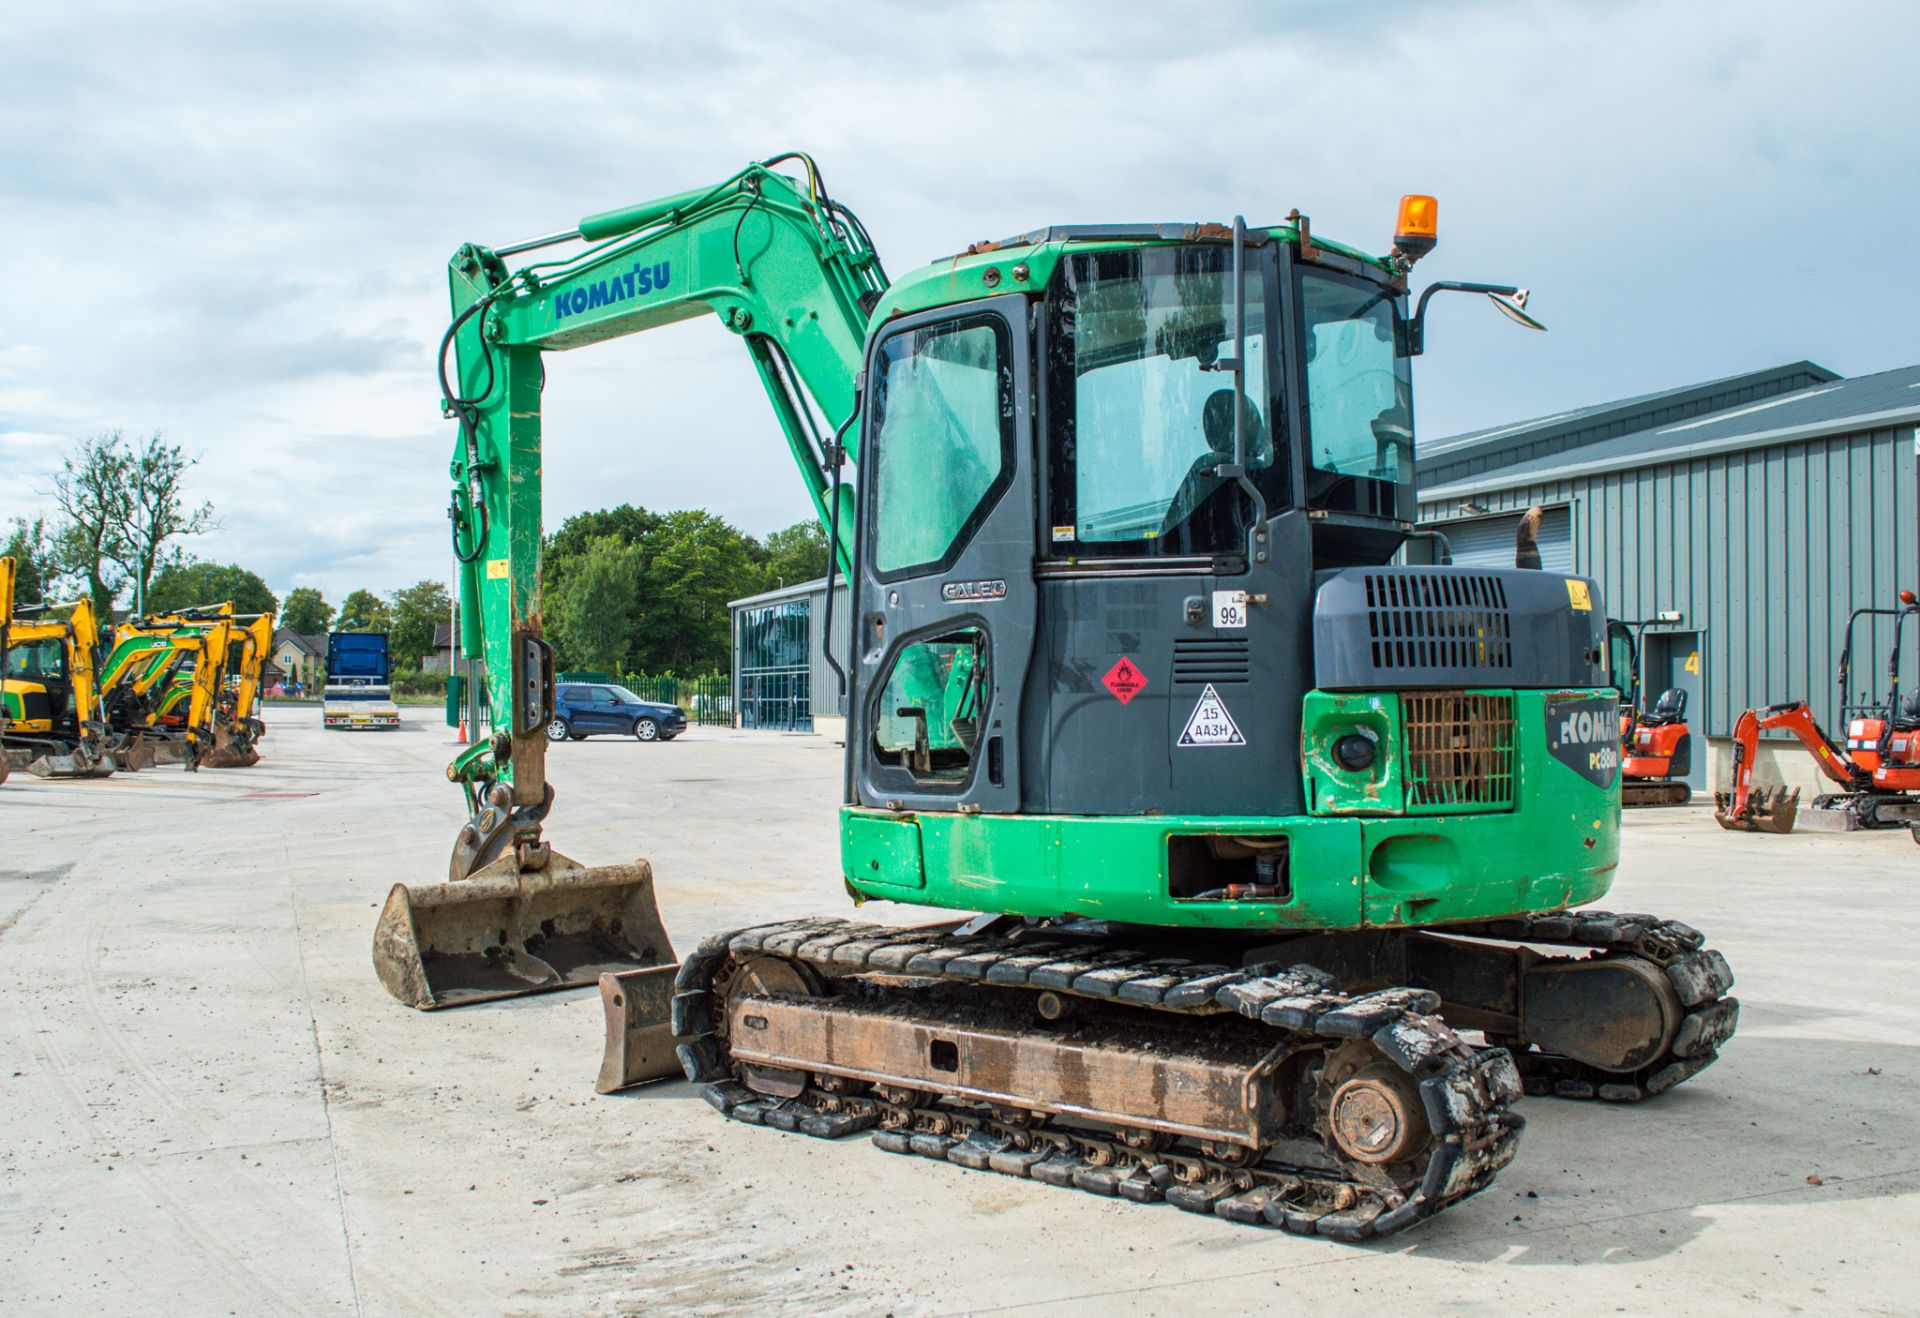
(1488,541)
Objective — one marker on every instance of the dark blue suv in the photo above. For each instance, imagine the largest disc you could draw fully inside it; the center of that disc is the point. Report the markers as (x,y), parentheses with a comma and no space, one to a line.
(582,709)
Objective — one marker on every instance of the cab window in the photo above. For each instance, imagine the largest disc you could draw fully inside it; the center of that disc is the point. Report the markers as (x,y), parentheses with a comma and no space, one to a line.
(940,447)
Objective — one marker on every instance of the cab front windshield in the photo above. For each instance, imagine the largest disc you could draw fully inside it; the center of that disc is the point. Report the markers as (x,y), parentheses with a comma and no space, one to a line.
(1139,416)
(37,659)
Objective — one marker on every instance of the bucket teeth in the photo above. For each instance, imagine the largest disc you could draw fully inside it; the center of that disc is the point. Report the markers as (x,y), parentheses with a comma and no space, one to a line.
(505,931)
(1769,810)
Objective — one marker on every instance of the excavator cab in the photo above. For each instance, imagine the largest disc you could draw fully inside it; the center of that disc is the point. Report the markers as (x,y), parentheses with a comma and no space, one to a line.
(56,723)
(1656,744)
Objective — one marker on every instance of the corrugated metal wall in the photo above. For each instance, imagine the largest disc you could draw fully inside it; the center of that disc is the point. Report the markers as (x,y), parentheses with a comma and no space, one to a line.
(1490,541)
(826,687)
(1768,550)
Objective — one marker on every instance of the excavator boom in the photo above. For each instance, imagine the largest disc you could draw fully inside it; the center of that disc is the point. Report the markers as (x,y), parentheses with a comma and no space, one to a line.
(790,271)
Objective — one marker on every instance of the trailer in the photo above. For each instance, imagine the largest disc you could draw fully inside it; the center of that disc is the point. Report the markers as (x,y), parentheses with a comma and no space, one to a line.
(357,696)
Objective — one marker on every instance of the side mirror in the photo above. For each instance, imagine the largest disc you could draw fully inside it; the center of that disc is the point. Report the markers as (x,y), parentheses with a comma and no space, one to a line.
(1514,307)
(1511,301)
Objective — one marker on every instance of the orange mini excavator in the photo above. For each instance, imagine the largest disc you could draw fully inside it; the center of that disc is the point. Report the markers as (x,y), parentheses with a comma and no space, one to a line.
(1877,769)
(1656,746)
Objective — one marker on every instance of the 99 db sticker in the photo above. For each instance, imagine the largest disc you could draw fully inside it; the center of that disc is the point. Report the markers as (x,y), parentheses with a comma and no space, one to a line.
(1584,735)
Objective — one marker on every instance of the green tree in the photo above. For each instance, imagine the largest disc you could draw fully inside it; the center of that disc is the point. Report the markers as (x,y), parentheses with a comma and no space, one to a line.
(696,564)
(363,611)
(32,552)
(189,585)
(627,524)
(305,611)
(415,612)
(594,619)
(796,554)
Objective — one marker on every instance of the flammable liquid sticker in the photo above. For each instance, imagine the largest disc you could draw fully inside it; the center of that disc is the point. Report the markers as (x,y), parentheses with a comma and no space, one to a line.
(1584,735)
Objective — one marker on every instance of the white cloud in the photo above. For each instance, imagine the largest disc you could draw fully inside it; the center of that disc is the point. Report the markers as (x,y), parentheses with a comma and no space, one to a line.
(228,222)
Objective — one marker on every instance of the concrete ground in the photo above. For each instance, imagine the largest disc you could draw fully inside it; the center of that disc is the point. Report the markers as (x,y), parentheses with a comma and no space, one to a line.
(211,1106)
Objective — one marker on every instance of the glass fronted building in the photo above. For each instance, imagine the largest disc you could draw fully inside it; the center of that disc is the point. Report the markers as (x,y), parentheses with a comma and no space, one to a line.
(781,680)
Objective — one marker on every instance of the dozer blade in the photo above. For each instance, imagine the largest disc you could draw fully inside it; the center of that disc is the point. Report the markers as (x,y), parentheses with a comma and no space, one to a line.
(505,931)
(170,750)
(1770,810)
(134,755)
(76,763)
(640,1043)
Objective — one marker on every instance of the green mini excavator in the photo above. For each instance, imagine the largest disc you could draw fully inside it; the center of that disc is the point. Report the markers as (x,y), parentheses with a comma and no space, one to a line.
(1266,851)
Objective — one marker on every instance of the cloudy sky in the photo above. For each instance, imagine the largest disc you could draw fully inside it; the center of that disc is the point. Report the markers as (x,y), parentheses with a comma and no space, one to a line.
(230,221)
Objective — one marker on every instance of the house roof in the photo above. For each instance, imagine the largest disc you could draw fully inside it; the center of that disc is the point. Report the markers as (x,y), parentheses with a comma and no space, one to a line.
(315,645)
(1832,406)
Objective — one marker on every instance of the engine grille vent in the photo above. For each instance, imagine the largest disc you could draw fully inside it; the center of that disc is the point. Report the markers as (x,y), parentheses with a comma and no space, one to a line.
(1459,750)
(1204,659)
(1451,620)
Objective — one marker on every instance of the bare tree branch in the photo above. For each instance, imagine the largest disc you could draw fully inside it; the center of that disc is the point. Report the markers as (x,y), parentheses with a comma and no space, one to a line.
(149,512)
(89,492)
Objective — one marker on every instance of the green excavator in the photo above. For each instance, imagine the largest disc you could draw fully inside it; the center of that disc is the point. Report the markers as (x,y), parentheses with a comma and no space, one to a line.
(1268,855)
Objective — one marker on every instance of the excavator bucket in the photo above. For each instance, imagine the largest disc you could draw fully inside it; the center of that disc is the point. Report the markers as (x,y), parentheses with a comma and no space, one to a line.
(1769,810)
(230,751)
(506,930)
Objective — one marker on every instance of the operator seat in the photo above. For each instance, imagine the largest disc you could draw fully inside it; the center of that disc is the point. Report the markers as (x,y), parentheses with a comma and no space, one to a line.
(1908,719)
(1203,501)
(1670,708)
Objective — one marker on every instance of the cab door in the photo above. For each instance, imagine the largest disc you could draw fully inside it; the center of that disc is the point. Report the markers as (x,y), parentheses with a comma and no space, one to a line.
(945,602)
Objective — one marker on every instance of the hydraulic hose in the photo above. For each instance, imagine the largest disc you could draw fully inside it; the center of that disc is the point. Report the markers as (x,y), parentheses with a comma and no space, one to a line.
(837,459)
(467,412)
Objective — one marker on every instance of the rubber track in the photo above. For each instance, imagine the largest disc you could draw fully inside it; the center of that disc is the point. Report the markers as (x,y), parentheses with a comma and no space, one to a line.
(1467,1093)
(1699,975)
(1638,794)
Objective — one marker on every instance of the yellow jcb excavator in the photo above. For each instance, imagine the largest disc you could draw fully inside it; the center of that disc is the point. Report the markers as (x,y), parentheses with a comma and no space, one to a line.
(55,724)
(147,684)
(236,731)
(6,617)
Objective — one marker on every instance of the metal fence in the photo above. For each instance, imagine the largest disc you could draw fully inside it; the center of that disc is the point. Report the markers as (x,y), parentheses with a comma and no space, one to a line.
(708,700)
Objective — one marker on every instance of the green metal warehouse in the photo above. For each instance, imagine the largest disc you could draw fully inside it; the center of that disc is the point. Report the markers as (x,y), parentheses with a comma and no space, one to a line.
(1762,508)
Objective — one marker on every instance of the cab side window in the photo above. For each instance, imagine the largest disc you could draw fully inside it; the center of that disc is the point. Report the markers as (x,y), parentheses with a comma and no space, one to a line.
(942,439)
